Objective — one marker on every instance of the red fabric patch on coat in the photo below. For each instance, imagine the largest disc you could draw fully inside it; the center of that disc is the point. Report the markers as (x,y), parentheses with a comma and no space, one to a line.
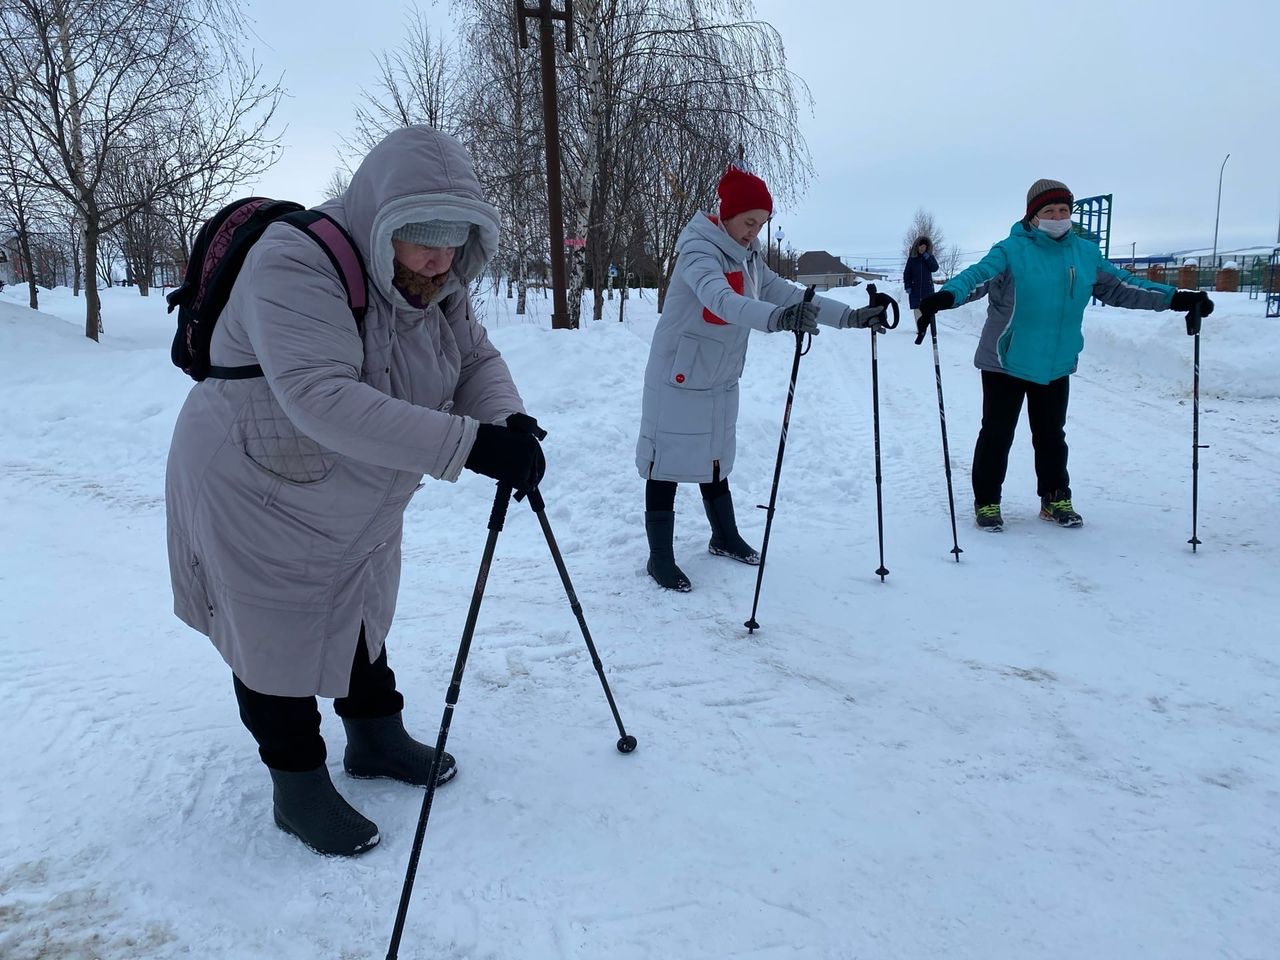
(736,284)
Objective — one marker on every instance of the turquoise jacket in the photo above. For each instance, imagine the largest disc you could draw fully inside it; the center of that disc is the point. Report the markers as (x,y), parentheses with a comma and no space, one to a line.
(1037,288)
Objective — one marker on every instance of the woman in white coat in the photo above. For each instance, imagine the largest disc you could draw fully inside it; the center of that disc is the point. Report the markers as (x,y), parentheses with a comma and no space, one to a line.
(721,291)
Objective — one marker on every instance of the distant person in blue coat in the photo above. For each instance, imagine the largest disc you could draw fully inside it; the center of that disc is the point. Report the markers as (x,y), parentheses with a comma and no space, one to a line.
(917,276)
(1038,281)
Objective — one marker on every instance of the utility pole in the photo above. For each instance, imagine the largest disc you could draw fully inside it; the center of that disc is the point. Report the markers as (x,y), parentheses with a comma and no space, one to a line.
(547,15)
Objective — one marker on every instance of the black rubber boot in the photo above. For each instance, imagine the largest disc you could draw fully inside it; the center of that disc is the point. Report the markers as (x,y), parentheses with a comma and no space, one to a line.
(660,528)
(380,747)
(310,807)
(725,539)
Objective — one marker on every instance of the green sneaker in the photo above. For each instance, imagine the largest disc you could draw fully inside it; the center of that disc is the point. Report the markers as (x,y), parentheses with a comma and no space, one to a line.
(1057,508)
(988,517)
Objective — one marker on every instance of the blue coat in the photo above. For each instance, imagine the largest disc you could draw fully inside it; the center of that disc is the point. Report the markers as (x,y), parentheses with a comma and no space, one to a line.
(918,277)
(1037,288)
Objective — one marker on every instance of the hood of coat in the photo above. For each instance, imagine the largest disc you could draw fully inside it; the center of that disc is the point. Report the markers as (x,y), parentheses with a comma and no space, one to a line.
(416,174)
(703,227)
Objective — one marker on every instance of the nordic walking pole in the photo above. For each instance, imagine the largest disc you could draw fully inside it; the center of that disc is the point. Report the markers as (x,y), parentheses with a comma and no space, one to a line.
(626,742)
(751,625)
(1193,329)
(882,571)
(942,420)
(496,518)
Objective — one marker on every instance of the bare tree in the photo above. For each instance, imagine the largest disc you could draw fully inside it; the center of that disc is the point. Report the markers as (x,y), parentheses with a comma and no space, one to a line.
(949,260)
(220,141)
(416,85)
(502,129)
(339,180)
(923,225)
(84,80)
(22,203)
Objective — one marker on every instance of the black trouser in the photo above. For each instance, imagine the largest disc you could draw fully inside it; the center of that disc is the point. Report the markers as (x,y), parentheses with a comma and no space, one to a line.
(288,728)
(661,494)
(1047,413)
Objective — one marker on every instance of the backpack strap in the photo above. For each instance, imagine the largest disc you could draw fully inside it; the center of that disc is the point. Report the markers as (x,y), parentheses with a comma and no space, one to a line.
(341,250)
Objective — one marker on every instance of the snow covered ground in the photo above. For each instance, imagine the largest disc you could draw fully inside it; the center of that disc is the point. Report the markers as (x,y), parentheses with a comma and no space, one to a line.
(1063,746)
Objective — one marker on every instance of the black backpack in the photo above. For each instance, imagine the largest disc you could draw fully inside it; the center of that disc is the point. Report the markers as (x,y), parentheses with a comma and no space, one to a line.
(219,252)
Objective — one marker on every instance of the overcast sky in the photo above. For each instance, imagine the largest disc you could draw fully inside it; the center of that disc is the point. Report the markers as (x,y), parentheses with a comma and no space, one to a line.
(954,107)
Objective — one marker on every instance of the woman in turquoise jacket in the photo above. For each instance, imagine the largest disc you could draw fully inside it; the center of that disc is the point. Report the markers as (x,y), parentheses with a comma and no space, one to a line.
(1038,281)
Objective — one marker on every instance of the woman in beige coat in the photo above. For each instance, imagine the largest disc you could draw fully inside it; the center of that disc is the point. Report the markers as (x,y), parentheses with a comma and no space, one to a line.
(286,493)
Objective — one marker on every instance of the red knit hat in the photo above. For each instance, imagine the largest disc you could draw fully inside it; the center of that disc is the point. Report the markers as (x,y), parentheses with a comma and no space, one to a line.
(740,191)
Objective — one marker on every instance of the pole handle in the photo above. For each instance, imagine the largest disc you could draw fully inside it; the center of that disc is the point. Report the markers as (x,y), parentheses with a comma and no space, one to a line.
(1193,321)
(800,335)
(883,299)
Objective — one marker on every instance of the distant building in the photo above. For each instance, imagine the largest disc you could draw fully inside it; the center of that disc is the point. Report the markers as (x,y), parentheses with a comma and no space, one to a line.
(817,268)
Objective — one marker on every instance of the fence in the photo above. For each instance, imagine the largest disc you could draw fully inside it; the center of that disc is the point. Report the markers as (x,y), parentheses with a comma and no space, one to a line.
(1250,272)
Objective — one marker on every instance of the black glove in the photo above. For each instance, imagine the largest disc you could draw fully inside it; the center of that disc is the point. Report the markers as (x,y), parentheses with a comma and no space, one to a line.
(508,456)
(929,306)
(1186,300)
(523,423)
(942,300)
(923,323)
(800,317)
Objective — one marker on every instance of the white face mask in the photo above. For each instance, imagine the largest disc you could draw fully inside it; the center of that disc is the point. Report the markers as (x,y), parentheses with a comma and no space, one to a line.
(1054,228)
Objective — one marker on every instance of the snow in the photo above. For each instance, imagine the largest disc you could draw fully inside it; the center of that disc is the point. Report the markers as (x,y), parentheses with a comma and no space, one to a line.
(1062,746)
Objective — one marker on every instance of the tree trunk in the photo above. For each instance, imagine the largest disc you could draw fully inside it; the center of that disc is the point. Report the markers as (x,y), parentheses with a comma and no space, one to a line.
(583,191)
(663,283)
(24,246)
(92,305)
(522,283)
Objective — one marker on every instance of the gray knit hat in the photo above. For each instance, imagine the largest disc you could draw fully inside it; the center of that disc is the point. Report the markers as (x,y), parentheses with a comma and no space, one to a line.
(1045,192)
(434,233)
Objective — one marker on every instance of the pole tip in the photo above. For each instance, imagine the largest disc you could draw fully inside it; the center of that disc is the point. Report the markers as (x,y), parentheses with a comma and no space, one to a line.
(626,744)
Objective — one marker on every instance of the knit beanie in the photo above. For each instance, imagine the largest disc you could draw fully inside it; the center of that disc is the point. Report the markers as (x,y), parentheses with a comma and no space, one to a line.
(434,233)
(1045,192)
(740,191)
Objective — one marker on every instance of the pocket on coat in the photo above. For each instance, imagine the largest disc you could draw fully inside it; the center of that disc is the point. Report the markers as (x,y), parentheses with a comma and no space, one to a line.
(1003,345)
(696,362)
(268,437)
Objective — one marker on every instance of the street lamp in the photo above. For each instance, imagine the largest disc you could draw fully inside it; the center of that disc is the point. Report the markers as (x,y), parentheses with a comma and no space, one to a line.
(1218,213)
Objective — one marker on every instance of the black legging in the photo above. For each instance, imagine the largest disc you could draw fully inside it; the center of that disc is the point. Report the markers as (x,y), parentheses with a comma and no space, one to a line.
(661,494)
(287,729)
